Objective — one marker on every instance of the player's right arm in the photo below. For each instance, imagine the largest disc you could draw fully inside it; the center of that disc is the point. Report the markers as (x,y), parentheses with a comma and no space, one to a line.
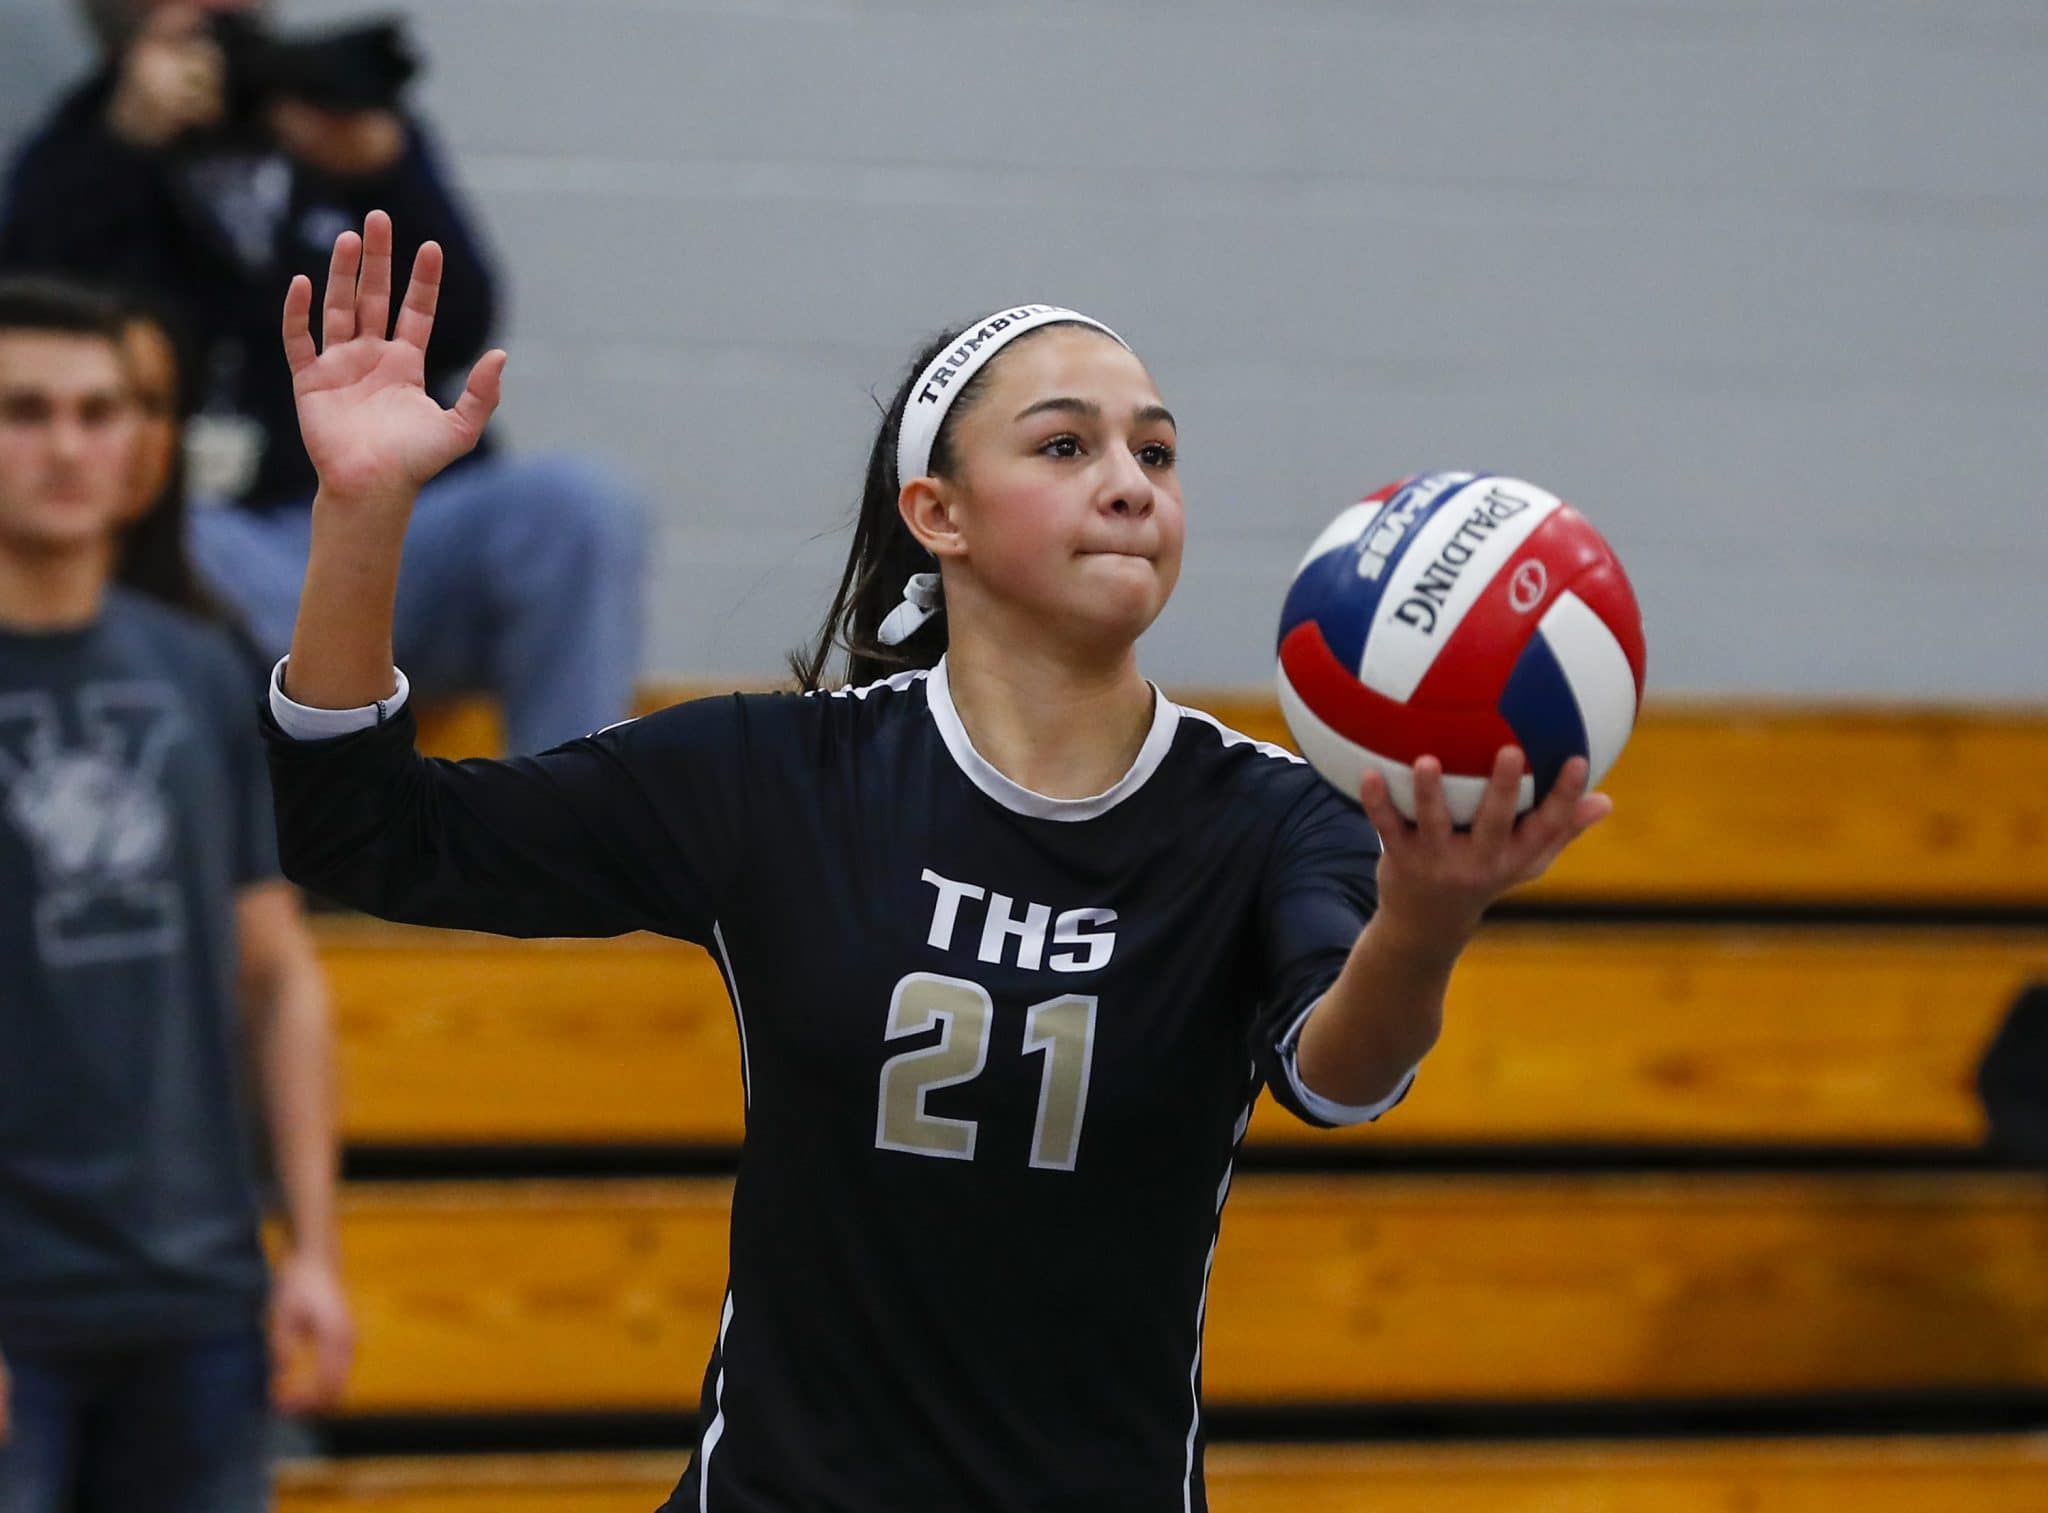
(636,827)
(375,437)
(639,827)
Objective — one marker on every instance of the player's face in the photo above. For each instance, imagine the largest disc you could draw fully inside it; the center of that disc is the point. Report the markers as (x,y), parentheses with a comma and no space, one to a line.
(67,440)
(153,378)
(1067,494)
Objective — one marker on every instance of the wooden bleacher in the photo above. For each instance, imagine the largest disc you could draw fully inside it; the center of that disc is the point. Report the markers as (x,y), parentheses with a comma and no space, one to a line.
(554,1296)
(1995,1474)
(1553,1034)
(1349,1289)
(1740,803)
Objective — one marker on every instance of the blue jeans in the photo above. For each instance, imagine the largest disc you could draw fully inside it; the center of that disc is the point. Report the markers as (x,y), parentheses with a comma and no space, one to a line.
(179,1428)
(522,578)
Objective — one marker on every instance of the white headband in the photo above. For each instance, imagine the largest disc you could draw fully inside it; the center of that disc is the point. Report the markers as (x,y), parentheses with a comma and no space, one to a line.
(948,373)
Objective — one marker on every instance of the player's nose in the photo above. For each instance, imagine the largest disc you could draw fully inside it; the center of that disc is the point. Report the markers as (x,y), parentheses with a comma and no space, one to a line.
(1128,490)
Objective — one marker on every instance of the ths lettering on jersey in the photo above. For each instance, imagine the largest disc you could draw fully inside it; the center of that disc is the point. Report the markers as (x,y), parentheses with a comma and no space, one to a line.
(1079,937)
(1430,592)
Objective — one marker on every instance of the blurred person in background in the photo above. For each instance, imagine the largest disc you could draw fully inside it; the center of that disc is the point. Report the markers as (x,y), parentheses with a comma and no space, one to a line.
(149,953)
(152,556)
(207,161)
(2012,1080)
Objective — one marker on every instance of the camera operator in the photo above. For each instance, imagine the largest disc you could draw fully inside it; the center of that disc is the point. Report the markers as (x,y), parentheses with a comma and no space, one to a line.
(145,178)
(175,81)
(207,161)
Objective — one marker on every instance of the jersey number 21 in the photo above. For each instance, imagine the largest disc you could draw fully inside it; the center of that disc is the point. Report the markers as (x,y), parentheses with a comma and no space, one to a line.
(1062,1030)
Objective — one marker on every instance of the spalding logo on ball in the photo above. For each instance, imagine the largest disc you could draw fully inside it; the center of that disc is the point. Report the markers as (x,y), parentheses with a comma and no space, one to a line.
(1449,616)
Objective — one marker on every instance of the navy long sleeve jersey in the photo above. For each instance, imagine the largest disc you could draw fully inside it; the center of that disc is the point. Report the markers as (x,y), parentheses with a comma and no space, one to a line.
(998,1052)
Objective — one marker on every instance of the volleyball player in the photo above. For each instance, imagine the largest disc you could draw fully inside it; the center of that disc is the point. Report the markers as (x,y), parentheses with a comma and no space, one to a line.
(1013,940)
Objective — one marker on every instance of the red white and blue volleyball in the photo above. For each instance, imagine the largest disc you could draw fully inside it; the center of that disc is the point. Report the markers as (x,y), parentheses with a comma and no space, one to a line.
(1450,615)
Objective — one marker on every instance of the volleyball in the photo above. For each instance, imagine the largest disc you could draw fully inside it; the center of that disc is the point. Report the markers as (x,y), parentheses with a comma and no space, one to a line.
(1450,615)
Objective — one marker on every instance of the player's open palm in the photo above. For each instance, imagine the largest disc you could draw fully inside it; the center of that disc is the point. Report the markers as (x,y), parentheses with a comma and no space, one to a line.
(1445,878)
(371,428)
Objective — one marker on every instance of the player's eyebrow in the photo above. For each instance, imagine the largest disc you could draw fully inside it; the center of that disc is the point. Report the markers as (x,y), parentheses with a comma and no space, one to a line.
(1088,409)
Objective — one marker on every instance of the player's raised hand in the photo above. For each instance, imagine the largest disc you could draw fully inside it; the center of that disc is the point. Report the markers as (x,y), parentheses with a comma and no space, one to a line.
(370,426)
(1444,878)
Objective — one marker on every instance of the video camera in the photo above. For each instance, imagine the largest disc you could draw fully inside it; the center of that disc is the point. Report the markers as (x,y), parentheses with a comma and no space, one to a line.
(362,67)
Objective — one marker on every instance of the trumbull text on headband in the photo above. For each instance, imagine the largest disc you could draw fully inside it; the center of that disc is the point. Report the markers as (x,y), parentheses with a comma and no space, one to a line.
(949,367)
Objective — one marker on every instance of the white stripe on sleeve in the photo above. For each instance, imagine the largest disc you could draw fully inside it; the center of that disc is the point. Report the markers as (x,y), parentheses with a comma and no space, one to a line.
(302,722)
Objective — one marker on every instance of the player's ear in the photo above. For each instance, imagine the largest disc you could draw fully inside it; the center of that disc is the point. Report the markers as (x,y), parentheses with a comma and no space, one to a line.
(928,513)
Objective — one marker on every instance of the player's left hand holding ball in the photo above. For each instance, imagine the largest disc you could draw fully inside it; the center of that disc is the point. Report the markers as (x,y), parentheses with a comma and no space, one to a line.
(1438,879)
(372,430)
(1457,649)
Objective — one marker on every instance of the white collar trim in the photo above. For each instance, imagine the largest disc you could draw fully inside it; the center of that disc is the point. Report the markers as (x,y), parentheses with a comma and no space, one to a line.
(1021,800)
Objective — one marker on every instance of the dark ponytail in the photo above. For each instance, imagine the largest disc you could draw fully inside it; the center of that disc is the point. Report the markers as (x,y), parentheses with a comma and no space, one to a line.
(884,553)
(153,559)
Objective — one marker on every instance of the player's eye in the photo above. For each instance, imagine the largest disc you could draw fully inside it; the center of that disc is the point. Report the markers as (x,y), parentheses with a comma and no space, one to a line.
(1158,454)
(1065,445)
(24,410)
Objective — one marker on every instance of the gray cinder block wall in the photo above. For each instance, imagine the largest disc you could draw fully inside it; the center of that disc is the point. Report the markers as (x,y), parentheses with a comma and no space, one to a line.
(1758,286)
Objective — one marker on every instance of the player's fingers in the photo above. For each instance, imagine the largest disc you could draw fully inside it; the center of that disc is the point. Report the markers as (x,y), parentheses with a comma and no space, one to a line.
(1377,800)
(1495,820)
(481,394)
(1545,826)
(1571,783)
(1550,826)
(1591,810)
(422,295)
(338,312)
(1554,813)
(373,293)
(299,351)
(1432,811)
(1570,786)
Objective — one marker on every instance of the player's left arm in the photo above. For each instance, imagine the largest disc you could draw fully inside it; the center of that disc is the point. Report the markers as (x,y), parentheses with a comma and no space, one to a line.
(284,1001)
(1386,1007)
